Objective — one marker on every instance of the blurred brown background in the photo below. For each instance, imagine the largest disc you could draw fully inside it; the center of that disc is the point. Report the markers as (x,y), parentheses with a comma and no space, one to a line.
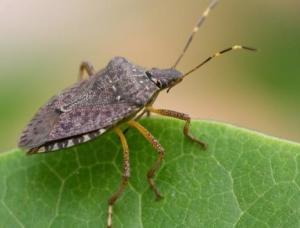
(43,42)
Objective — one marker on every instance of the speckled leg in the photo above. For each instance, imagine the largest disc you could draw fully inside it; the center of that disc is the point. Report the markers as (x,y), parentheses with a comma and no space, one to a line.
(124,182)
(88,67)
(159,149)
(138,117)
(181,116)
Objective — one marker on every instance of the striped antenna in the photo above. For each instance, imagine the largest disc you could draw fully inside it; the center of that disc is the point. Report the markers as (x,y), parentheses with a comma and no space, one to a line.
(217,54)
(195,30)
(233,48)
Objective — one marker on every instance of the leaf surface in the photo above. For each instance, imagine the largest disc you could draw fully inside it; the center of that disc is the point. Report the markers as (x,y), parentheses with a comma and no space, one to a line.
(244,179)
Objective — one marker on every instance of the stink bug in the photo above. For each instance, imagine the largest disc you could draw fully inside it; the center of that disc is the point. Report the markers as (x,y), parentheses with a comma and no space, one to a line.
(118,94)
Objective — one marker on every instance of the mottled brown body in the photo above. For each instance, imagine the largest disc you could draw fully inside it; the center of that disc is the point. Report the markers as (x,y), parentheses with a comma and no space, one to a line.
(90,107)
(108,98)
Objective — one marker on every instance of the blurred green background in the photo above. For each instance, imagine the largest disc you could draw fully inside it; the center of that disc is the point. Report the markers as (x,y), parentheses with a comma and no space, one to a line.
(43,43)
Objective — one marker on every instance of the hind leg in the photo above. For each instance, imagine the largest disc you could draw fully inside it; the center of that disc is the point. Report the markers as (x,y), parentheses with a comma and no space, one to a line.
(86,66)
(126,173)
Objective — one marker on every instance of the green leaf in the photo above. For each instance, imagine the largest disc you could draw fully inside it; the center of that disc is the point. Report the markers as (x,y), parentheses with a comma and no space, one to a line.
(244,179)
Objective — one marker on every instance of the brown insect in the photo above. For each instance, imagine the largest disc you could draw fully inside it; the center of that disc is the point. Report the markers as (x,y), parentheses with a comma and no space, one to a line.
(120,93)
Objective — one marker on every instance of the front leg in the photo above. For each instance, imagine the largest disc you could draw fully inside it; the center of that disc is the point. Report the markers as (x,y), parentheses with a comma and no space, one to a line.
(181,116)
(88,67)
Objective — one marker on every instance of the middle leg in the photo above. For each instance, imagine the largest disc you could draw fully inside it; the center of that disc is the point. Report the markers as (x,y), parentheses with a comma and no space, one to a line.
(161,153)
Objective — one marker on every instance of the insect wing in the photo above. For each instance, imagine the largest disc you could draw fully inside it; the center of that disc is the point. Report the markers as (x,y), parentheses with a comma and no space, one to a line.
(74,112)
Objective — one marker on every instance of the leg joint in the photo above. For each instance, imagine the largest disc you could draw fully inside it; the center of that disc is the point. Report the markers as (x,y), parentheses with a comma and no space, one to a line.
(126,173)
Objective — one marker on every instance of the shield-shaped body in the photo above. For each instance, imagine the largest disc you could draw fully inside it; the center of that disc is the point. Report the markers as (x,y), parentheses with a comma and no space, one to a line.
(90,107)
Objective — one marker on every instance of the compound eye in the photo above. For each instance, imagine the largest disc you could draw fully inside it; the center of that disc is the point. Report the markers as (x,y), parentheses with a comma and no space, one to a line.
(149,75)
(153,79)
(159,84)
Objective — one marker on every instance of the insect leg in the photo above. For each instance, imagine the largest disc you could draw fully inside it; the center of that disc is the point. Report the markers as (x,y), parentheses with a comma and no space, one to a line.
(137,118)
(145,112)
(126,174)
(161,153)
(181,116)
(88,67)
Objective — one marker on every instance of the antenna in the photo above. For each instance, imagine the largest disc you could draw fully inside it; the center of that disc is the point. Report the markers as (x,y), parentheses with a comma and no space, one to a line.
(235,47)
(217,54)
(195,30)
